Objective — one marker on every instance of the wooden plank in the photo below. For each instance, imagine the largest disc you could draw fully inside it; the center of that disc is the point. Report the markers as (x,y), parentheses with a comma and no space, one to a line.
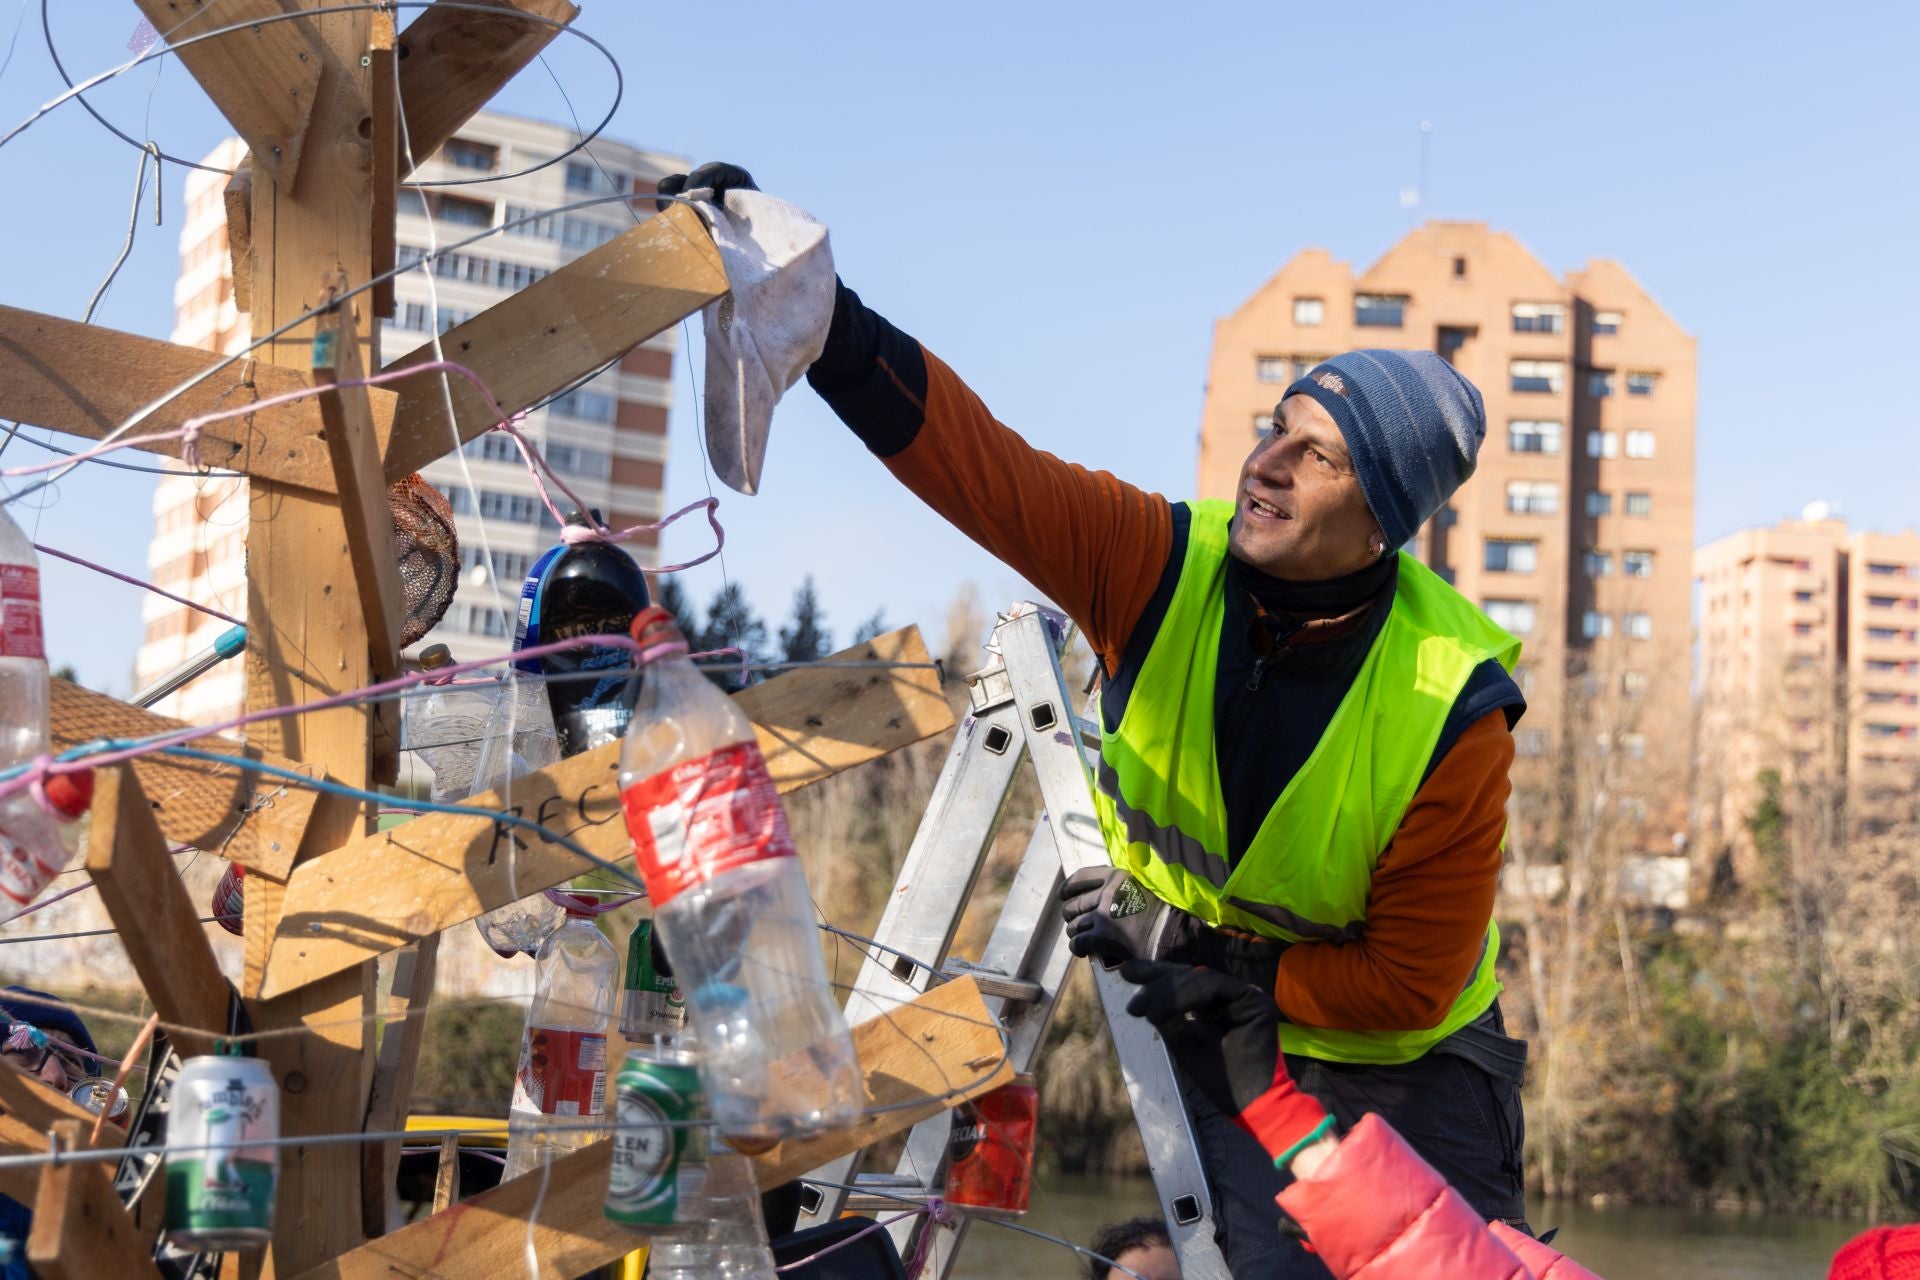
(243,817)
(80,1229)
(393,1076)
(18,1138)
(556,331)
(37,1106)
(307,640)
(946,1042)
(237,195)
(160,928)
(264,79)
(440,870)
(383,124)
(86,380)
(368,517)
(446,1177)
(456,60)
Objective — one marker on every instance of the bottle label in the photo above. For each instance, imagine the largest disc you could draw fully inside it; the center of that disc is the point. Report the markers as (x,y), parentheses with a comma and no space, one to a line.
(20,612)
(21,875)
(562,1073)
(703,818)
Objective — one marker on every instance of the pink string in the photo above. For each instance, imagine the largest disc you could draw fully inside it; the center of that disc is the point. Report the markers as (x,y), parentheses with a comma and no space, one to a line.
(938,1215)
(136,582)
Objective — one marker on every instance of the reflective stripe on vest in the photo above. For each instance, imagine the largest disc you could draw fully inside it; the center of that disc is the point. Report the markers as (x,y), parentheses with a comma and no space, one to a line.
(1307,873)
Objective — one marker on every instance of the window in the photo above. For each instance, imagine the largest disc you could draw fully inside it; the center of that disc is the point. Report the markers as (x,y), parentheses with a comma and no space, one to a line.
(462,153)
(1887,730)
(1803,597)
(1539,317)
(1598,564)
(1599,502)
(1379,310)
(1638,625)
(517,275)
(1459,267)
(588,406)
(588,177)
(460,501)
(1605,323)
(1533,497)
(1309,311)
(1602,444)
(507,565)
(1262,423)
(1885,633)
(1888,570)
(406,200)
(1886,667)
(1803,628)
(1639,504)
(1515,616)
(1639,444)
(486,622)
(1599,383)
(1537,375)
(463,212)
(495,446)
(1594,624)
(576,461)
(1510,555)
(1529,435)
(1633,683)
(1877,602)
(1641,384)
(517,508)
(1273,369)
(1636,564)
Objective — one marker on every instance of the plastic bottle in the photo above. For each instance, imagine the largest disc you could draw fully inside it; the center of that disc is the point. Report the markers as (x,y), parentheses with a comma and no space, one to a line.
(559,1091)
(589,589)
(445,727)
(724,1235)
(518,738)
(731,905)
(34,844)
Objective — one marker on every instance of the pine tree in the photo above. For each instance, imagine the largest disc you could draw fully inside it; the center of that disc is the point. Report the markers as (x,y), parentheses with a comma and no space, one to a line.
(874,626)
(731,623)
(674,599)
(805,638)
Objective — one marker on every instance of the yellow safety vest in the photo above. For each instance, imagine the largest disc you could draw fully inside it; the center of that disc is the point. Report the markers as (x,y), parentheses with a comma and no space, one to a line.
(1307,874)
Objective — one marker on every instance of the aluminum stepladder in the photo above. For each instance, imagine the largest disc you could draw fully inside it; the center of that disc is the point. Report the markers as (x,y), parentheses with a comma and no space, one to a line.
(1021,706)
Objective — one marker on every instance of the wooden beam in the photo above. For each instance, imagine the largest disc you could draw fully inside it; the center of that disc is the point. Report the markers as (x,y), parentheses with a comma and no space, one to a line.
(80,1229)
(159,926)
(368,517)
(243,817)
(456,60)
(439,870)
(86,380)
(37,1106)
(556,331)
(383,81)
(393,1075)
(237,195)
(264,79)
(940,1050)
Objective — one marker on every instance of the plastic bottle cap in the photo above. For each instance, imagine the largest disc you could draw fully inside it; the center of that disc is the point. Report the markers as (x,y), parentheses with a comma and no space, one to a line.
(654,625)
(71,794)
(435,655)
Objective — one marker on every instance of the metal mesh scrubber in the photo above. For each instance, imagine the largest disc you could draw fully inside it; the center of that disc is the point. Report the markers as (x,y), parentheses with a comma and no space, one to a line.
(429,553)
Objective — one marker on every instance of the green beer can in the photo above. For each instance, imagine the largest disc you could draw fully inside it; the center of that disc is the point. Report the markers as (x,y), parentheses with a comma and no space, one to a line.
(659,1157)
(222,1161)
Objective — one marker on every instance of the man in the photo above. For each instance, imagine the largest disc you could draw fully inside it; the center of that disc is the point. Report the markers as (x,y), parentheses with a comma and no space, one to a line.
(1305,736)
(39,1037)
(1138,1245)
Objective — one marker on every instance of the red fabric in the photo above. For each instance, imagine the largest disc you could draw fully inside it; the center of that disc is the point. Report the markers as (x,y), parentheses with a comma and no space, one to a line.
(1540,1259)
(1883,1253)
(1282,1115)
(1377,1211)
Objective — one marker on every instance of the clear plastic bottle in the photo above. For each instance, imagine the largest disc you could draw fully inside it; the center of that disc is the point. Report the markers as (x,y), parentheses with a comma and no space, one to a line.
(559,1091)
(35,845)
(731,905)
(724,1237)
(517,739)
(446,725)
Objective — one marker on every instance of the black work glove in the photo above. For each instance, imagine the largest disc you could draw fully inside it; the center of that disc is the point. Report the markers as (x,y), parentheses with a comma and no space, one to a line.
(1108,915)
(717,174)
(1224,1036)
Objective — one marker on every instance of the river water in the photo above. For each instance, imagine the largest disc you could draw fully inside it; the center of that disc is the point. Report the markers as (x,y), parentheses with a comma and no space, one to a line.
(1619,1244)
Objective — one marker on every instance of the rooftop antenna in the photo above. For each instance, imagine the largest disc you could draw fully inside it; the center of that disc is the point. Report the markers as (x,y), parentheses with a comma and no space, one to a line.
(1414,199)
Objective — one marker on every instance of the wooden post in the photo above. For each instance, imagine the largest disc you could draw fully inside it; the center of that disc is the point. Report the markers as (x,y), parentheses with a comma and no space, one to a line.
(80,1230)
(406,1025)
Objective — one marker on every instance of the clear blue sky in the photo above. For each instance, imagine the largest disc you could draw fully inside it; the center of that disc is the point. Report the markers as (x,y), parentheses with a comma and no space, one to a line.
(1060,200)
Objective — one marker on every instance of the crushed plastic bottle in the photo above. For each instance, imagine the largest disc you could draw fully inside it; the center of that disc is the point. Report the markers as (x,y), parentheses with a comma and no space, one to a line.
(731,905)
(518,739)
(559,1091)
(35,844)
(445,726)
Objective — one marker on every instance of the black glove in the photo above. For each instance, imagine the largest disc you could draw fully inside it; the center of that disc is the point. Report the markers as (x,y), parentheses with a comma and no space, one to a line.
(1108,915)
(717,174)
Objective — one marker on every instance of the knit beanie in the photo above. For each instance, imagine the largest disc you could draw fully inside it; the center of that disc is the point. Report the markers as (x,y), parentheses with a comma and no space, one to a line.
(1413,428)
(49,1013)
(1882,1253)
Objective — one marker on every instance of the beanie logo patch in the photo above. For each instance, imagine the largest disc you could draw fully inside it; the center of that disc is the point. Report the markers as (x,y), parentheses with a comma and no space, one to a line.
(1332,381)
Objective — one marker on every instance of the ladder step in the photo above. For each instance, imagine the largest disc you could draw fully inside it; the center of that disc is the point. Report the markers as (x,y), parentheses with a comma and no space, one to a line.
(994,983)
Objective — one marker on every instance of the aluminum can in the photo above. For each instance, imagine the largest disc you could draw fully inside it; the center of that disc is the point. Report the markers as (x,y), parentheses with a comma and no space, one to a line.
(659,1157)
(222,1161)
(990,1159)
(652,1007)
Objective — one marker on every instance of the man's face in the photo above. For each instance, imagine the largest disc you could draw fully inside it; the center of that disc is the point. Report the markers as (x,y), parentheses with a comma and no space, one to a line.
(1151,1261)
(44,1065)
(1299,513)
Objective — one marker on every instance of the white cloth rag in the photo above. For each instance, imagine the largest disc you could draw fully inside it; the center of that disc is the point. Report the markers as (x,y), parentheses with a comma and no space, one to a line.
(771,325)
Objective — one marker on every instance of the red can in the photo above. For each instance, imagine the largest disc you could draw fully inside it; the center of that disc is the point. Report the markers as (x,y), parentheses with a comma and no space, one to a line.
(990,1155)
(230,899)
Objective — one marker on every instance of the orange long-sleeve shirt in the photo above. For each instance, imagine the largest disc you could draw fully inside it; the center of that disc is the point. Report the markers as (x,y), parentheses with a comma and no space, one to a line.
(1097,547)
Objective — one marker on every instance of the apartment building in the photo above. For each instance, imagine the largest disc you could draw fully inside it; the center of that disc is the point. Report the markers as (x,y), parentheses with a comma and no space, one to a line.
(607,436)
(1575,533)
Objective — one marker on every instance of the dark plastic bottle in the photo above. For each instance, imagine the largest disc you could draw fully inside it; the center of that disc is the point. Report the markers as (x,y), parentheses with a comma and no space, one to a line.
(590,589)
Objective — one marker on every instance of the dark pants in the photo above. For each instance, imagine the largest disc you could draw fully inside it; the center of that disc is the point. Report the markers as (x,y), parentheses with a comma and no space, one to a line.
(1461,1117)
